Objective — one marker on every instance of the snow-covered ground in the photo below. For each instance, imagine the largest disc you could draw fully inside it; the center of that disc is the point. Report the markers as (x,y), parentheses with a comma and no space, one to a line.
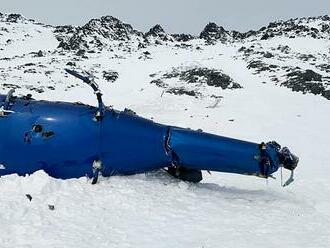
(153,209)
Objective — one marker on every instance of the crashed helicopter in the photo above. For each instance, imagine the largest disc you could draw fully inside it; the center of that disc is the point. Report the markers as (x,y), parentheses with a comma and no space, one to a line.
(69,140)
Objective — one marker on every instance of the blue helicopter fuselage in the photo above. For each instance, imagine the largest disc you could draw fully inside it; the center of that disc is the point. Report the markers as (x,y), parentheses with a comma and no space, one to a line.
(65,139)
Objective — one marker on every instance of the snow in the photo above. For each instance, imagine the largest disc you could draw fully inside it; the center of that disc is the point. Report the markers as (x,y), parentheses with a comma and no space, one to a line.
(153,209)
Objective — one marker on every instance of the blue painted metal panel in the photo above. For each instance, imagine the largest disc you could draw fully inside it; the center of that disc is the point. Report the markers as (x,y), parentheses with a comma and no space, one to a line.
(65,139)
(203,151)
(131,144)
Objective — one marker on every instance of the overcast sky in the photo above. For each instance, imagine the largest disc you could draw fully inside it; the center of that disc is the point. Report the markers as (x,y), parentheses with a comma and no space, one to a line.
(176,16)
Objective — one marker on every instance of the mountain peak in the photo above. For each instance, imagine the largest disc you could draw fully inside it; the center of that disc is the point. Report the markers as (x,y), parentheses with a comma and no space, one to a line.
(13,18)
(213,32)
(96,33)
(109,27)
(155,30)
(158,34)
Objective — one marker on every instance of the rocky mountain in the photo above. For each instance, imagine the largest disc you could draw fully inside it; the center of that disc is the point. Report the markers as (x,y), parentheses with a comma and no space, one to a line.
(315,27)
(212,33)
(292,53)
(13,18)
(97,34)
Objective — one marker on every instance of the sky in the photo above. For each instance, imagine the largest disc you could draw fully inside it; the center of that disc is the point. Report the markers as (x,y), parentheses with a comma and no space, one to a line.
(175,16)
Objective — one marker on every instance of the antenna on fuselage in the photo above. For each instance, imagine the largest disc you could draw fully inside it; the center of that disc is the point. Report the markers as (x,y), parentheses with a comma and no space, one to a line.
(90,81)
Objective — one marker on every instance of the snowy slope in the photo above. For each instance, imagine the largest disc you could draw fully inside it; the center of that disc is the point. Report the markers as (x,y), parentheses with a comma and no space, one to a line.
(166,77)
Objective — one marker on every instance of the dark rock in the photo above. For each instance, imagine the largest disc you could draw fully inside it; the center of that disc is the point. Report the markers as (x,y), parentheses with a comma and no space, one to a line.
(325,18)
(304,76)
(324,67)
(198,76)
(80,52)
(272,25)
(267,36)
(91,34)
(70,63)
(260,66)
(67,29)
(40,53)
(306,57)
(30,71)
(249,34)
(213,32)
(210,77)
(182,91)
(325,28)
(183,45)
(160,83)
(29,197)
(238,35)
(158,32)
(183,37)
(36,89)
(142,45)
(129,111)
(110,76)
(246,51)
(51,207)
(268,55)
(10,86)
(29,64)
(14,18)
(242,49)
(155,31)
(306,81)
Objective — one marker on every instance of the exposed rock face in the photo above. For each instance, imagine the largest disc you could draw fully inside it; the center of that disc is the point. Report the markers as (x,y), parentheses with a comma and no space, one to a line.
(211,77)
(306,81)
(157,35)
(183,37)
(260,66)
(305,76)
(315,27)
(98,32)
(110,76)
(214,32)
(62,32)
(109,27)
(118,40)
(324,67)
(95,34)
(155,31)
(182,91)
(13,18)
(191,81)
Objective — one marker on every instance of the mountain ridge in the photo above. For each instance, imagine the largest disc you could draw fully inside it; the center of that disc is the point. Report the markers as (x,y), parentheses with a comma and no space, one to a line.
(268,52)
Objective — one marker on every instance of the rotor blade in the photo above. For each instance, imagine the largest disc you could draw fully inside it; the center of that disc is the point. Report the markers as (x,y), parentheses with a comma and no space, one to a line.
(77,75)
